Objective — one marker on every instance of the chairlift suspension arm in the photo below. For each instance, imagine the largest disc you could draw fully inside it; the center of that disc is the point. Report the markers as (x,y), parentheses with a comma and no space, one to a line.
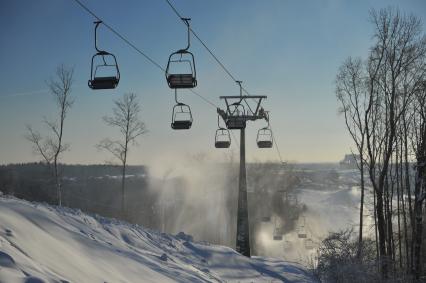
(265,115)
(241,90)
(97,23)
(186,21)
(241,94)
(218,122)
(258,105)
(227,107)
(176,97)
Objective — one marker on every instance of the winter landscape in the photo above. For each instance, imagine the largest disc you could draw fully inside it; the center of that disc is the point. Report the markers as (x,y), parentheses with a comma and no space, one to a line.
(212,141)
(53,244)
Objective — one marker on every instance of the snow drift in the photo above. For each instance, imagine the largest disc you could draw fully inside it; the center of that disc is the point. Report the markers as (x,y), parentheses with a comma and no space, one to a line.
(42,243)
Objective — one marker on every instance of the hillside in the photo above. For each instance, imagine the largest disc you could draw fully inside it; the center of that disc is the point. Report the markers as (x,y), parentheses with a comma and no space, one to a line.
(42,243)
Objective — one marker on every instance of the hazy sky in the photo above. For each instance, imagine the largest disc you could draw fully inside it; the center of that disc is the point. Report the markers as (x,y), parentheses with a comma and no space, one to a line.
(288,50)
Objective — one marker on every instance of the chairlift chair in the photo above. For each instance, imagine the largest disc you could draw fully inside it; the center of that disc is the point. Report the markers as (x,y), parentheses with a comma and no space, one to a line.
(309,244)
(181,80)
(266,218)
(236,119)
(235,123)
(180,70)
(181,116)
(301,234)
(104,72)
(222,137)
(264,138)
(277,235)
(287,246)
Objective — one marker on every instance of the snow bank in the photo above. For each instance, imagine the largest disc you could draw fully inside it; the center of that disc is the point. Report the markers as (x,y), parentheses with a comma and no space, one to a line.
(42,243)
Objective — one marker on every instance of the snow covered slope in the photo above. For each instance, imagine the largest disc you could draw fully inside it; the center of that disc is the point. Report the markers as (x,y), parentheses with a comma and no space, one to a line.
(42,243)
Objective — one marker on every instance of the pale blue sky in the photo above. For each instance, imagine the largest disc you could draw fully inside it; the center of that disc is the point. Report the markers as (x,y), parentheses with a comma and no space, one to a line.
(288,50)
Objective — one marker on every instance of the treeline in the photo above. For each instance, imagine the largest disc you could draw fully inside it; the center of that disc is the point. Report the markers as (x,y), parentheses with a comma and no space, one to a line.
(92,188)
(383,101)
(156,203)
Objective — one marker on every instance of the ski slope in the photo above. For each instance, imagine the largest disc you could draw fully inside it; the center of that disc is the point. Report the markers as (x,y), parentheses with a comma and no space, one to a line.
(42,243)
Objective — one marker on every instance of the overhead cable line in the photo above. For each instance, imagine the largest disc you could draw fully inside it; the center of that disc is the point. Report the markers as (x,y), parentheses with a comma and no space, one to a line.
(138,50)
(156,64)
(120,36)
(128,42)
(220,64)
(208,49)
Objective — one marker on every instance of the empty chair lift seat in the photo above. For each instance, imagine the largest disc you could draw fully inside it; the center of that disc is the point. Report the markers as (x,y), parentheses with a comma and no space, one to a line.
(222,138)
(309,244)
(264,144)
(278,237)
(235,123)
(181,81)
(264,138)
(104,61)
(103,83)
(182,125)
(266,218)
(222,144)
(302,235)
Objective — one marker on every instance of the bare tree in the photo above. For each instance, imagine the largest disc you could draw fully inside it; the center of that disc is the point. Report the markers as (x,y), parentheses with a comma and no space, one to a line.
(51,146)
(352,93)
(419,144)
(383,108)
(393,69)
(125,117)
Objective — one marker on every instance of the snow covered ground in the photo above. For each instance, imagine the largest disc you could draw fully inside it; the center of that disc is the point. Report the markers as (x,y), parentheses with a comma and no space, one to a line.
(42,243)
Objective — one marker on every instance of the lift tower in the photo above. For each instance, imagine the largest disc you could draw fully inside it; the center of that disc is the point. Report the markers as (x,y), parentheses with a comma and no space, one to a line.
(238,112)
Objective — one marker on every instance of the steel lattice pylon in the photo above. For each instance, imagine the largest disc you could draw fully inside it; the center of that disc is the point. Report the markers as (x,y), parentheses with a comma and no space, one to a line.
(236,116)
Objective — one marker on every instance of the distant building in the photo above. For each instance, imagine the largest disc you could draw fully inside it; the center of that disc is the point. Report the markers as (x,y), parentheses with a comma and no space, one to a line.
(350,161)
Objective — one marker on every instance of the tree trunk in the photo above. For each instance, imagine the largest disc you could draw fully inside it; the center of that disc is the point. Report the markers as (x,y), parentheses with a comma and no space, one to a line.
(382,234)
(57,183)
(398,209)
(123,180)
(408,188)
(418,214)
(361,208)
(375,224)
